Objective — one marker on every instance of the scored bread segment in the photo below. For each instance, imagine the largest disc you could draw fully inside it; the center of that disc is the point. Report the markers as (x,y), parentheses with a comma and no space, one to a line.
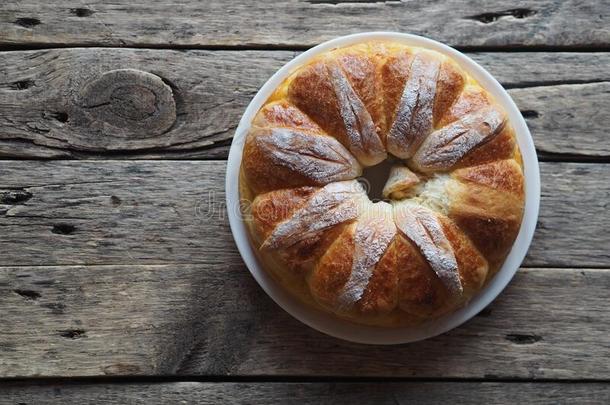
(343,276)
(331,205)
(488,206)
(283,156)
(456,194)
(422,226)
(446,146)
(361,133)
(413,117)
(340,94)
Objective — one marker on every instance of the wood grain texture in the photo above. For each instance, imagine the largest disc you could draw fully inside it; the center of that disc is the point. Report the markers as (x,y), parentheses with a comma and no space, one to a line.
(302,23)
(154,212)
(45,113)
(115,266)
(568,119)
(308,393)
(212,319)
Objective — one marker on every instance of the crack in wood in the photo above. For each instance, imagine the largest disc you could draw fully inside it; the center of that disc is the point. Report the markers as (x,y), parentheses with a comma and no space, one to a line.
(523,339)
(351,2)
(72,333)
(488,18)
(82,12)
(27,22)
(28,294)
(551,83)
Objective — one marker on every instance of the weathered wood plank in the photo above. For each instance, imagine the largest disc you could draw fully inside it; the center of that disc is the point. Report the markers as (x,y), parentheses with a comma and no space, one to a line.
(308,393)
(302,23)
(212,319)
(46,108)
(139,212)
(568,118)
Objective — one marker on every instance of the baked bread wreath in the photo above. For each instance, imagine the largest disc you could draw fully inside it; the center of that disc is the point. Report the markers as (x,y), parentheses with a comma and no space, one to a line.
(453,201)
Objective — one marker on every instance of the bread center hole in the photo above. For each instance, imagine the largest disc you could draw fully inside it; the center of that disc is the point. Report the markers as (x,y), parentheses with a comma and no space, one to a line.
(374,178)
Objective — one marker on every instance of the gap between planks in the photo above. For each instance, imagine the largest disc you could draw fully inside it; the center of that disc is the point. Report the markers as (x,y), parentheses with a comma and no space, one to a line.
(160,379)
(294,48)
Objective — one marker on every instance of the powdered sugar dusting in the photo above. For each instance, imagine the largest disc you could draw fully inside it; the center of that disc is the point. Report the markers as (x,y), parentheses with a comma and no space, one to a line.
(319,158)
(359,126)
(372,236)
(333,204)
(421,226)
(413,118)
(446,146)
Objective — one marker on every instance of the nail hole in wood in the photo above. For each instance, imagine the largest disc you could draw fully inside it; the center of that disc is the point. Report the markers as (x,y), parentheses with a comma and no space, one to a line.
(81,12)
(13,197)
(115,201)
(60,116)
(73,333)
(530,114)
(27,22)
(28,294)
(63,229)
(21,84)
(486,312)
(523,339)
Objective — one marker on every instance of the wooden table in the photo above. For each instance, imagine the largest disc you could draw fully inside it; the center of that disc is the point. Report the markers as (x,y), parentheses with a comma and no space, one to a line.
(119,279)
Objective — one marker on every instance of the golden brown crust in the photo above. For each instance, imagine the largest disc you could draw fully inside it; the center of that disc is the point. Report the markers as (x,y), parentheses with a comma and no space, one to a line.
(269,209)
(258,169)
(381,294)
(312,92)
(303,255)
(471,99)
(352,274)
(503,175)
(355,119)
(489,207)
(283,114)
(273,208)
(333,270)
(420,291)
(361,70)
(471,265)
(446,148)
(493,236)
(450,84)
(286,157)
(461,183)
(394,74)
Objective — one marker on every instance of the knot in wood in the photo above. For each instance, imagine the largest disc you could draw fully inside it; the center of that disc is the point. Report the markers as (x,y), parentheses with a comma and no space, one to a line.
(129,103)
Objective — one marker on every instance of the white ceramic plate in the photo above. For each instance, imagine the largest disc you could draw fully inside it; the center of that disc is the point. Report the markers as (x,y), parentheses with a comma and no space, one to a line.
(327,323)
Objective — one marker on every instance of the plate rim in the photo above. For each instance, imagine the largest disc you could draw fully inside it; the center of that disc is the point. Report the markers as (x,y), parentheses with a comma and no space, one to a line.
(346,330)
